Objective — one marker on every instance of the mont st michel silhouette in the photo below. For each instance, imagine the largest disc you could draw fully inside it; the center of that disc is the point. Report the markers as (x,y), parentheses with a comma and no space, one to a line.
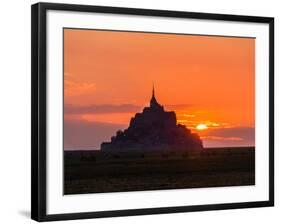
(154,129)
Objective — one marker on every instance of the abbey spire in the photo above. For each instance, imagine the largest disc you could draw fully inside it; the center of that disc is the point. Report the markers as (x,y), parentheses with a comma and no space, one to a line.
(153,101)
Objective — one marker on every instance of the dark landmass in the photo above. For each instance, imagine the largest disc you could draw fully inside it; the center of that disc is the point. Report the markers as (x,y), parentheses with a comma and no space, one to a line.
(136,170)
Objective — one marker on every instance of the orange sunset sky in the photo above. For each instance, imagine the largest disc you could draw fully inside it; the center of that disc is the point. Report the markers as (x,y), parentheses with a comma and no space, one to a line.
(208,81)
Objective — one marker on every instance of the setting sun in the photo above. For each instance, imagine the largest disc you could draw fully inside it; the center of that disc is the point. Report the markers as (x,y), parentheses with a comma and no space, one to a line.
(201,127)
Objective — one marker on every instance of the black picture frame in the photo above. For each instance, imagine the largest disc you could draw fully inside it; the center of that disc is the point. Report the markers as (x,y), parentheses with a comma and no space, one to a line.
(39,122)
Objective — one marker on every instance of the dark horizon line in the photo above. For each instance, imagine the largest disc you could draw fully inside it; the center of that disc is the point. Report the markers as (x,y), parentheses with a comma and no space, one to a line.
(138,150)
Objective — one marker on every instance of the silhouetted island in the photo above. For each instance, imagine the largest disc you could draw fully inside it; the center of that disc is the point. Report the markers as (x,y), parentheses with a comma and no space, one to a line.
(154,130)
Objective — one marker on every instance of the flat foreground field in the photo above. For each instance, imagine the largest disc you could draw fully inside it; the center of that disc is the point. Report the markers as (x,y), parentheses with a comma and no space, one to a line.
(97,172)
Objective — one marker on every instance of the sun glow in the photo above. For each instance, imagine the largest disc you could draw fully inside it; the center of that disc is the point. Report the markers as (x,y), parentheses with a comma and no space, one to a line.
(201,127)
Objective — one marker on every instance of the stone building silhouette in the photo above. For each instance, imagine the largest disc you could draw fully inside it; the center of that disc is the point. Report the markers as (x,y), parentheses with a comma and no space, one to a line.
(154,130)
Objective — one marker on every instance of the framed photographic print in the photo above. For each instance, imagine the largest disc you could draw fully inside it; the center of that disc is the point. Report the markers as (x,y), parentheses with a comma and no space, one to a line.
(140,111)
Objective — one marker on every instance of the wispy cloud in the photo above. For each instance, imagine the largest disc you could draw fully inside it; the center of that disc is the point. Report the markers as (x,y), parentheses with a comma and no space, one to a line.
(101,109)
(73,87)
(178,106)
(233,136)
(219,138)
(114,108)
(244,132)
